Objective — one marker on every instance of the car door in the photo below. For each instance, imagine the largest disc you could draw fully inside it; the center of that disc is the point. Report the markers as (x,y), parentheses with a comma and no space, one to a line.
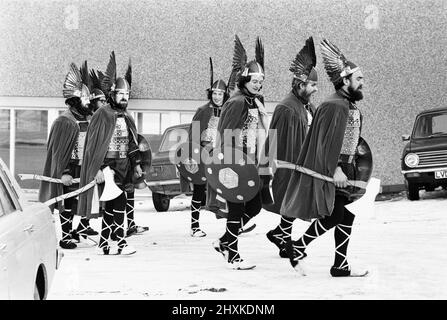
(4,287)
(18,254)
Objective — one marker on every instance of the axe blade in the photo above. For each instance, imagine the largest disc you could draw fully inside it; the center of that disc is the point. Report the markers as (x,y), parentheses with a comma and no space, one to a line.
(365,204)
(111,190)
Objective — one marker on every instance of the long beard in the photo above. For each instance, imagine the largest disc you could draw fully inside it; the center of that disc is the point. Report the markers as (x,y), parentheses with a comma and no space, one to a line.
(121,105)
(356,95)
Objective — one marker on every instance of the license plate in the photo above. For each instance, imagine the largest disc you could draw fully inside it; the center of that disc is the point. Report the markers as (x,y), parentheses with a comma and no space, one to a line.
(441,174)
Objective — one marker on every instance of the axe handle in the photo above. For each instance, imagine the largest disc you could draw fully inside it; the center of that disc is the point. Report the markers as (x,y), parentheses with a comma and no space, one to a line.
(30,176)
(288,165)
(71,194)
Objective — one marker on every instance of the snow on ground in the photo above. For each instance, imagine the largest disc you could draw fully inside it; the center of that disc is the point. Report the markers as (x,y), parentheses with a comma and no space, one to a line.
(403,245)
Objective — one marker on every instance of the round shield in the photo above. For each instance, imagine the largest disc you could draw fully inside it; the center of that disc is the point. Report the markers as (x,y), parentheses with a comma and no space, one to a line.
(363,163)
(146,160)
(234,176)
(189,162)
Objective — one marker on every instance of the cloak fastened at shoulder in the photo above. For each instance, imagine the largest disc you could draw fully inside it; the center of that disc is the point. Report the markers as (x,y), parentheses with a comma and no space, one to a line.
(308,197)
(63,135)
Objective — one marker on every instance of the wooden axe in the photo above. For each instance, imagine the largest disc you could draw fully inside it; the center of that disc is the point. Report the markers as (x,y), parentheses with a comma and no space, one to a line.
(364,203)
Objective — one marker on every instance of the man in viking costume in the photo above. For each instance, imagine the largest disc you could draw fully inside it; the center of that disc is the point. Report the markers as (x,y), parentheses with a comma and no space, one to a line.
(65,154)
(97,100)
(329,149)
(202,134)
(112,142)
(289,126)
(245,118)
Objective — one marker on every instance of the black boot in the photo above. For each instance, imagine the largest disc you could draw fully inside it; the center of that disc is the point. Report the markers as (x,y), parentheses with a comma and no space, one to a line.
(67,244)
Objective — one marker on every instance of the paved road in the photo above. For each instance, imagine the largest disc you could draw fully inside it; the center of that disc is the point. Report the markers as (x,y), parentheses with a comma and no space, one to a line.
(403,245)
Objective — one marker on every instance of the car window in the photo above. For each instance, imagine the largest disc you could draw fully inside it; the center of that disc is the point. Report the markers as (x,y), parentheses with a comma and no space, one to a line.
(439,123)
(173,138)
(11,184)
(430,125)
(6,203)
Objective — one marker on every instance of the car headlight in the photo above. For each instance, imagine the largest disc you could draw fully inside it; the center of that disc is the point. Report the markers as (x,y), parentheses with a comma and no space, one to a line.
(412,160)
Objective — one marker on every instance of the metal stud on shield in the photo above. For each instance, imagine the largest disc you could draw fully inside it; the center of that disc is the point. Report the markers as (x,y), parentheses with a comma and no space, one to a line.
(234,176)
(189,162)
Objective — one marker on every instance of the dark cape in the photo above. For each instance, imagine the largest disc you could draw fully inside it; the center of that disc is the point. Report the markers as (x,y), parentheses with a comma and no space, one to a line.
(99,134)
(203,115)
(233,116)
(234,113)
(307,197)
(61,141)
(290,121)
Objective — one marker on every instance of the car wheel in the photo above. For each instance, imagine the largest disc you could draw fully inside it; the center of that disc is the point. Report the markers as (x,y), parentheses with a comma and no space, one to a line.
(413,191)
(40,288)
(161,202)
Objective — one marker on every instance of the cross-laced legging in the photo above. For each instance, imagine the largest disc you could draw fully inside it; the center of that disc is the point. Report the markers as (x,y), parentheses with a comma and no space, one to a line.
(236,214)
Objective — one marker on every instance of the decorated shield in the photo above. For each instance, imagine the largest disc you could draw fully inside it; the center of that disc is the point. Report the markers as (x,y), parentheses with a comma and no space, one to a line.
(146,160)
(189,162)
(233,176)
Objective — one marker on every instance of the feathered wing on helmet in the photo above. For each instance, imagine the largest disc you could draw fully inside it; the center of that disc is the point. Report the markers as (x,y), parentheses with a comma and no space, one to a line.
(239,60)
(101,76)
(96,77)
(232,81)
(85,75)
(216,85)
(303,66)
(96,80)
(73,86)
(211,73)
(128,75)
(109,79)
(110,82)
(335,63)
(259,52)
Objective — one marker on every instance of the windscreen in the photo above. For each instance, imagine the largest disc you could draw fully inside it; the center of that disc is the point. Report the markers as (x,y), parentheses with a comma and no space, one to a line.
(431,125)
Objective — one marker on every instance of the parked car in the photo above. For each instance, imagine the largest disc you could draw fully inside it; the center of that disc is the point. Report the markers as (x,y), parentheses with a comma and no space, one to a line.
(163,177)
(29,253)
(424,158)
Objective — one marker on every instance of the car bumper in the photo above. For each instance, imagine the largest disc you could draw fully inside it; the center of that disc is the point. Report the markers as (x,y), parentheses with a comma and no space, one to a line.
(166,187)
(424,175)
(162,183)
